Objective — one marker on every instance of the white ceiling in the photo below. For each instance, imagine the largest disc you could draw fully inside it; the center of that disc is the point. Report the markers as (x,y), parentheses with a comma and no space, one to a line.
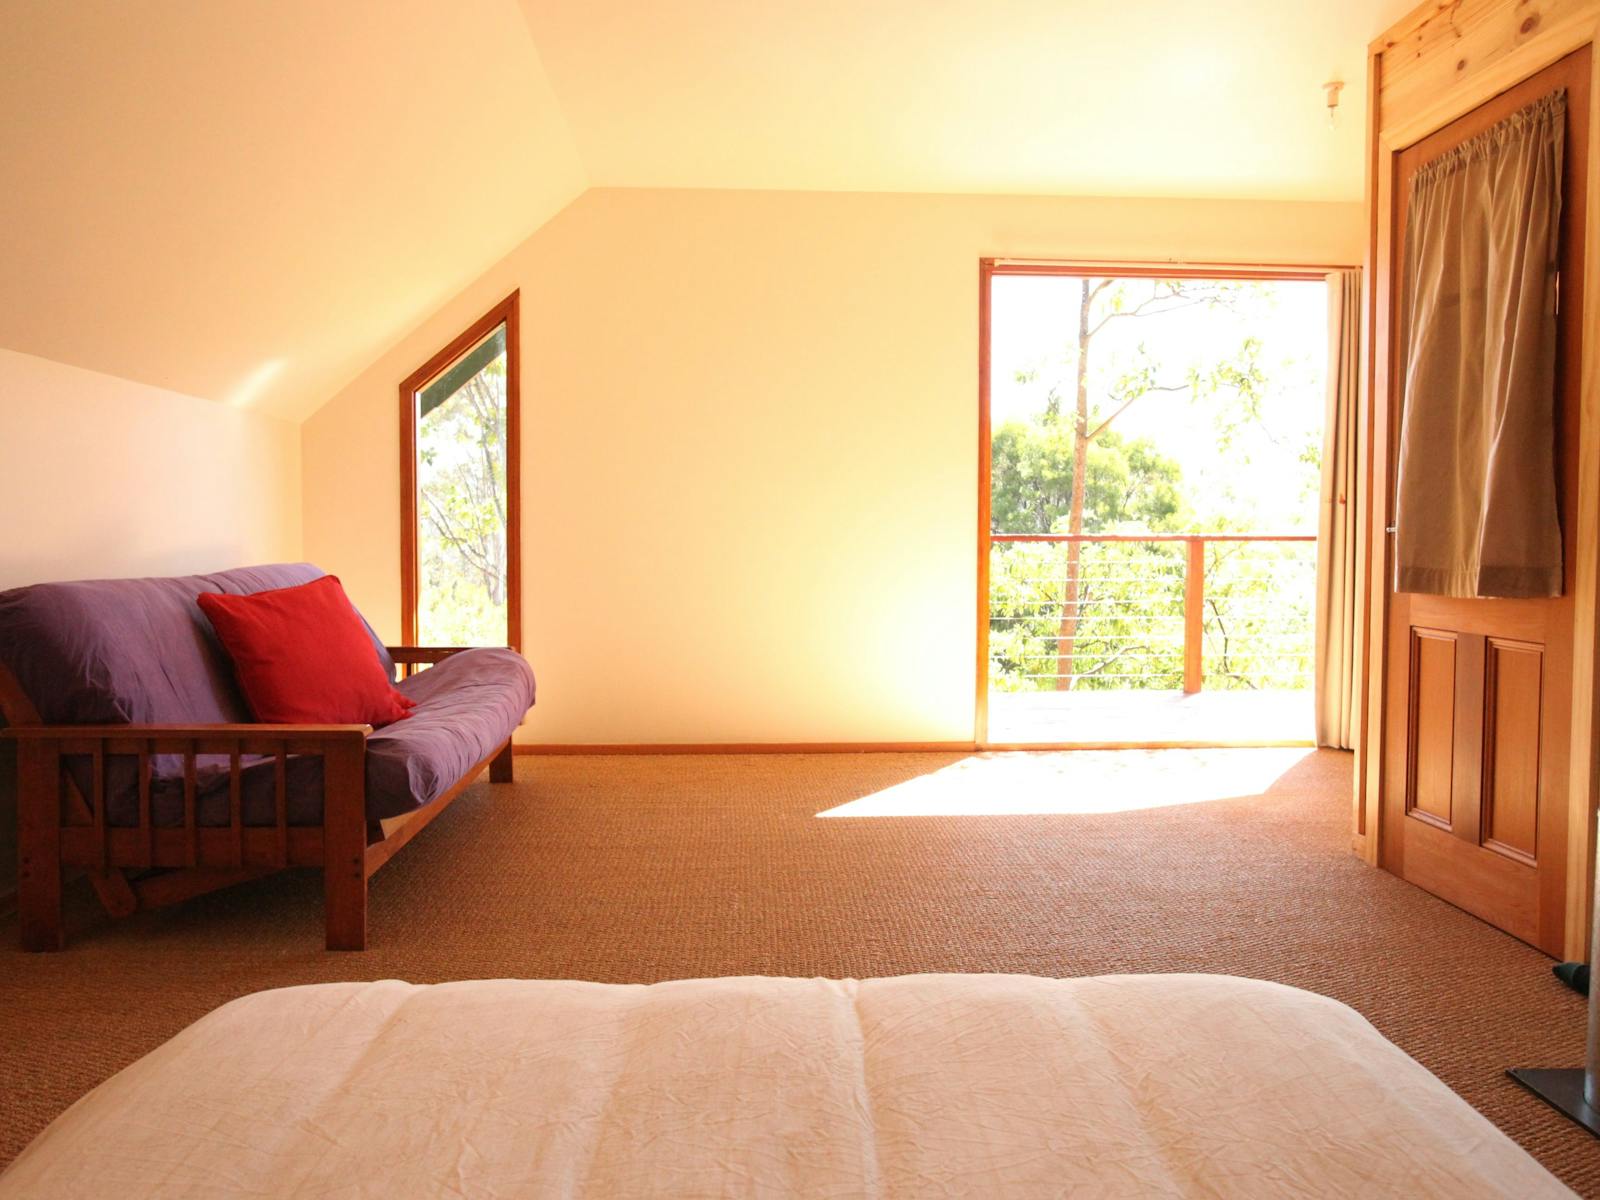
(1075,97)
(248,201)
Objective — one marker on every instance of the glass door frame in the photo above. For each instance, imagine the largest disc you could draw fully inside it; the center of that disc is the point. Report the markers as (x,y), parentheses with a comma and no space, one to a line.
(988,270)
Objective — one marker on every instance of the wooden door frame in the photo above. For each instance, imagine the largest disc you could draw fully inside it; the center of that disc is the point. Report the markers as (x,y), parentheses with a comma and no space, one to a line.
(988,268)
(506,312)
(1500,71)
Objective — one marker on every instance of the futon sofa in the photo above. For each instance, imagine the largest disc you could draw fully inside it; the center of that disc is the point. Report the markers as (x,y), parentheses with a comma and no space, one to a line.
(138,762)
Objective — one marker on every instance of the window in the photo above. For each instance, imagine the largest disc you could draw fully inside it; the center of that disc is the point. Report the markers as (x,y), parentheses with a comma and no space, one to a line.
(459,465)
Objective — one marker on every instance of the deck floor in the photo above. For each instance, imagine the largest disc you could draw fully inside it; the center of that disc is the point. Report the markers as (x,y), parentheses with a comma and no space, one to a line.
(1147,716)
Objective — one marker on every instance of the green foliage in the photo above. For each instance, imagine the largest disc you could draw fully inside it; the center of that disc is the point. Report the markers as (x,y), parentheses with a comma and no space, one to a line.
(1258,612)
(1031,481)
(461,515)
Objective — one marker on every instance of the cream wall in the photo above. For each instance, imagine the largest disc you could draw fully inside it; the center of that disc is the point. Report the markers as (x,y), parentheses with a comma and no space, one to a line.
(100,477)
(750,448)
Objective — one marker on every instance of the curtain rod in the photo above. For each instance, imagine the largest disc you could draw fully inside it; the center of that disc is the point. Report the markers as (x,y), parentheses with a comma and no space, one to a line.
(1147,266)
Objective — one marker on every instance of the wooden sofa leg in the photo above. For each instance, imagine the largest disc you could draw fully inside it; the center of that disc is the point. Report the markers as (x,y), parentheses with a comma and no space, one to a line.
(344,846)
(344,899)
(500,765)
(39,846)
(39,910)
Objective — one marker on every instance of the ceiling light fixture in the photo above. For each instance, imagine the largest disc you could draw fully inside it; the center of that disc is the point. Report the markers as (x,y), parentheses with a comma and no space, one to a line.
(1332,89)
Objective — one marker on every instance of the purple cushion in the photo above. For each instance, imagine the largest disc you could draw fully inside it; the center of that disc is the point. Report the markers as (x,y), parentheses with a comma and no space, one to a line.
(139,651)
(467,705)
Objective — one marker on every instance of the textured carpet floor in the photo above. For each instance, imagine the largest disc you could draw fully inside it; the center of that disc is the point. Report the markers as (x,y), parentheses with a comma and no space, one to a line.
(636,869)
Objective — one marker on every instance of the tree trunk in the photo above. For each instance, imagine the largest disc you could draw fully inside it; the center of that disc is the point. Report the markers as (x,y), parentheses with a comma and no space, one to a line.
(1067,634)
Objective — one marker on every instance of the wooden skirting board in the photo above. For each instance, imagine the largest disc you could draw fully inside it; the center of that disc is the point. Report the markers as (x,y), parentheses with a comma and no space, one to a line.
(600,749)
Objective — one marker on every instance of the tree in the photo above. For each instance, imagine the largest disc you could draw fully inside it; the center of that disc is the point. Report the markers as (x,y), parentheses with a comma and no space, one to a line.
(1128,485)
(462,510)
(1100,303)
(1032,481)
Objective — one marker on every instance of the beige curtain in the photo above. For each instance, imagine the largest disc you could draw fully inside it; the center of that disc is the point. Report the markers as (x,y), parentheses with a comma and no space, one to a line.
(1338,531)
(1475,512)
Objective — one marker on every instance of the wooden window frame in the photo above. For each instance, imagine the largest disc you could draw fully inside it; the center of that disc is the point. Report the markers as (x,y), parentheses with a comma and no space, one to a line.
(506,313)
(988,270)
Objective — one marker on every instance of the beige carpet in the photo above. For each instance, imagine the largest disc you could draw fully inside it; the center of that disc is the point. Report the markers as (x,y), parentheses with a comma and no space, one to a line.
(638,869)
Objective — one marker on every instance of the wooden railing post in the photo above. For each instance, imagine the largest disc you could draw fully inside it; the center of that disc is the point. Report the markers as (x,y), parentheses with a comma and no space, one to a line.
(1194,620)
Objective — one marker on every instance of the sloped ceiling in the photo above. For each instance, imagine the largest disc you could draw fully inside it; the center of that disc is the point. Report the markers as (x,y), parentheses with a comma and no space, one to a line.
(248,201)
(1073,97)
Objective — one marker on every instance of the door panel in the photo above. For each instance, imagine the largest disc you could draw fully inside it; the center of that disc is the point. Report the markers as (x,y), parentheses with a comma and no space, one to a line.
(1478,692)
(1512,726)
(1433,724)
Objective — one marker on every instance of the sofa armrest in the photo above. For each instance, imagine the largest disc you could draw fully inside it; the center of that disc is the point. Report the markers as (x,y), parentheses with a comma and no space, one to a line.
(409,658)
(411,655)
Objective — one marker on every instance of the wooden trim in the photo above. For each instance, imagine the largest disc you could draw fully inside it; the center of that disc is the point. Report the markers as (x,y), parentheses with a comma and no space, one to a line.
(508,313)
(988,268)
(1584,767)
(1158,744)
(610,748)
(719,748)
(217,739)
(1153,537)
(422,654)
(1525,50)
(1364,797)
(1526,47)
(514,472)
(1194,617)
(409,657)
(1171,270)
(980,704)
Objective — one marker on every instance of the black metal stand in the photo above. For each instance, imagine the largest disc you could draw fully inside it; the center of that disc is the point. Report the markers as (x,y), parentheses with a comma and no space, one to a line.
(1562,1089)
(1573,1091)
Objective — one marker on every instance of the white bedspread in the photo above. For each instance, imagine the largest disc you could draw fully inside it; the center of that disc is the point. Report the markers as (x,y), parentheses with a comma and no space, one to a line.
(931,1085)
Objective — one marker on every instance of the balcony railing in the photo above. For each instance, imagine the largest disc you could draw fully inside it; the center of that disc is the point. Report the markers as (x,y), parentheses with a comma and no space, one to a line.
(1151,611)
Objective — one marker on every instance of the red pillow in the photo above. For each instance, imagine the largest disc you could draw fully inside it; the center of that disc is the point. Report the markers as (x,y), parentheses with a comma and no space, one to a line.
(303,656)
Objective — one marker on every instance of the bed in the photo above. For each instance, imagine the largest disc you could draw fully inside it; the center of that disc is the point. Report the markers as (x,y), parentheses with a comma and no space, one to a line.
(925,1085)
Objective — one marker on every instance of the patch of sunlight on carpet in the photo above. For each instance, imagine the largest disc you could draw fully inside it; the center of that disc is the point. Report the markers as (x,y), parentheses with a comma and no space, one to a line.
(1077,783)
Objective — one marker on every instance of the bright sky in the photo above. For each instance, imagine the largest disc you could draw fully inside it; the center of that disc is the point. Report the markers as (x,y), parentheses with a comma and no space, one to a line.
(1260,481)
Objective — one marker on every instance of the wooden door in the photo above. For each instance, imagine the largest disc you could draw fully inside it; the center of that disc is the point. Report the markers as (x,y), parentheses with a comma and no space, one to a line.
(1478,693)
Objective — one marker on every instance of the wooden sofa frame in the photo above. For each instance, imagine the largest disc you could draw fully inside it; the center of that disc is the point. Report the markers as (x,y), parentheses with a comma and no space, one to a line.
(60,829)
